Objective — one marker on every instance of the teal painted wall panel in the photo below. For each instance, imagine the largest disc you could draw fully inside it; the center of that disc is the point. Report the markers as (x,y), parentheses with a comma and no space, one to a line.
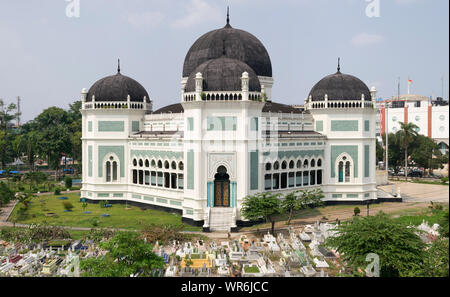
(190,124)
(111,126)
(210,193)
(102,195)
(135,126)
(367,126)
(254,124)
(296,154)
(156,154)
(319,126)
(351,150)
(254,157)
(90,126)
(367,161)
(104,150)
(190,169)
(221,123)
(90,160)
(344,126)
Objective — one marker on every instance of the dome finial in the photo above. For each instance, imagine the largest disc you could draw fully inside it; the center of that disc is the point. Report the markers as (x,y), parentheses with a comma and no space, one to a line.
(118,65)
(339,65)
(228,15)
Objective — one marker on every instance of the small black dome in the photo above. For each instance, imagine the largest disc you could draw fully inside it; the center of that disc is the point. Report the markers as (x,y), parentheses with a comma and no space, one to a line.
(117,88)
(340,87)
(237,44)
(223,74)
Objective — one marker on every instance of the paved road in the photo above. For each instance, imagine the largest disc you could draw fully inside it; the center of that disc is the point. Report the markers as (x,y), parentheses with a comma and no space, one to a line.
(412,192)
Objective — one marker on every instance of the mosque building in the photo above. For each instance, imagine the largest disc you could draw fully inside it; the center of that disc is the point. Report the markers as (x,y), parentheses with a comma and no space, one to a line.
(227,138)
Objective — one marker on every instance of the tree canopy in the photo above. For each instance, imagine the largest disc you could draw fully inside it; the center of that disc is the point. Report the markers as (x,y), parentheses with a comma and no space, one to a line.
(262,206)
(400,250)
(127,255)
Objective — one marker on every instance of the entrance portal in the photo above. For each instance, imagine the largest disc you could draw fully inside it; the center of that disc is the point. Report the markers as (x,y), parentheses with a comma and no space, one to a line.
(222,188)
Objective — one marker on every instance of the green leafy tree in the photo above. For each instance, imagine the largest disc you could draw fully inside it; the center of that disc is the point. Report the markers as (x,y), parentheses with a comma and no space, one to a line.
(380,152)
(67,205)
(443,225)
(262,206)
(127,254)
(68,182)
(426,153)
(395,150)
(407,133)
(435,260)
(301,199)
(34,178)
(399,248)
(6,194)
(356,211)
(7,114)
(54,135)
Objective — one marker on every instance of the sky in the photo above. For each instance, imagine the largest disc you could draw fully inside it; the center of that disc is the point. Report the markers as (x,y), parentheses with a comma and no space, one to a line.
(47,57)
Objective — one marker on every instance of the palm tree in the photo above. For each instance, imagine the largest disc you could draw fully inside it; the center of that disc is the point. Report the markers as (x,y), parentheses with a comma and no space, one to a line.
(407,133)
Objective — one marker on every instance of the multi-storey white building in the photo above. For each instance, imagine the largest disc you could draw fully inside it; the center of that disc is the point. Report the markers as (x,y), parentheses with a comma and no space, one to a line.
(226,139)
(430,116)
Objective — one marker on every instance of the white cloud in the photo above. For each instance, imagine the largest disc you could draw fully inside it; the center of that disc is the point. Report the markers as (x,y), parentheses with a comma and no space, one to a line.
(145,19)
(363,39)
(198,11)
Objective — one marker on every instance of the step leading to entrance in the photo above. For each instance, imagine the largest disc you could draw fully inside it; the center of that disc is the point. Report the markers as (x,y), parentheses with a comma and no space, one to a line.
(221,219)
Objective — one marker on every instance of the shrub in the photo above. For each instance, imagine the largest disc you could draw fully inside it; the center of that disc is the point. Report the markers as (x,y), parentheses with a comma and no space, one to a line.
(444,180)
(57,191)
(68,182)
(67,205)
(356,211)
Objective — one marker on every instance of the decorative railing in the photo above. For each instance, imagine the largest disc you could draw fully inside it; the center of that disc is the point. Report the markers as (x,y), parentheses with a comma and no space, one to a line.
(224,96)
(339,104)
(116,105)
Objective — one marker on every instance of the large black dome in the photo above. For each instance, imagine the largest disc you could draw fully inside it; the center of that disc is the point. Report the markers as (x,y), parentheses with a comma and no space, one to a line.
(237,44)
(340,87)
(117,88)
(223,74)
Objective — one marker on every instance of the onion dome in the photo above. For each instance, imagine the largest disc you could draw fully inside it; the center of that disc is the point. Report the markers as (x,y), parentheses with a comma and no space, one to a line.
(340,87)
(238,44)
(117,88)
(223,74)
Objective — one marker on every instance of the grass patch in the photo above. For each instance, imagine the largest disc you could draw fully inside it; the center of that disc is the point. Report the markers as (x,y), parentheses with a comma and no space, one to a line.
(132,218)
(430,216)
(251,269)
(429,182)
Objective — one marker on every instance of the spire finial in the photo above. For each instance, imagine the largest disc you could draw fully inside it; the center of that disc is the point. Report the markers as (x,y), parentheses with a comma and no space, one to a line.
(118,65)
(228,15)
(339,65)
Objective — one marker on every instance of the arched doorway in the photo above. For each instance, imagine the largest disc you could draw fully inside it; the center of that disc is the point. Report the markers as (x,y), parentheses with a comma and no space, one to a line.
(222,188)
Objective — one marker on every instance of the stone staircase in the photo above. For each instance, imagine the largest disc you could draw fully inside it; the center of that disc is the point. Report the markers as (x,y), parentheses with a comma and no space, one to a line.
(221,219)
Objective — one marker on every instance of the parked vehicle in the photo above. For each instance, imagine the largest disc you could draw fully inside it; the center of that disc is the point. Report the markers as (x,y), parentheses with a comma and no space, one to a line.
(415,173)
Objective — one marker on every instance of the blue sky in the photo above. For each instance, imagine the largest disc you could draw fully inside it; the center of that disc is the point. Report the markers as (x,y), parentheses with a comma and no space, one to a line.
(47,57)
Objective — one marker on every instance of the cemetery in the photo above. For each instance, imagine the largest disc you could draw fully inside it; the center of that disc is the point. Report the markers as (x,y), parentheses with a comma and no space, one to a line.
(294,252)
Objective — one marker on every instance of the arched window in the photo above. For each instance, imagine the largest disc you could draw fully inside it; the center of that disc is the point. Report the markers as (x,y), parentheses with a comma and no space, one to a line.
(341,172)
(153,164)
(141,163)
(319,163)
(134,162)
(181,166)
(299,164)
(284,165)
(347,171)
(305,164)
(276,166)
(268,166)
(291,165)
(108,171)
(174,165)
(114,171)
(166,164)
(147,164)
(313,163)
(159,164)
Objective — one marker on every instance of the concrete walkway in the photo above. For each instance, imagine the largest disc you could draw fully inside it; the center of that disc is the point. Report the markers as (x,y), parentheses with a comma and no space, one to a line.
(415,192)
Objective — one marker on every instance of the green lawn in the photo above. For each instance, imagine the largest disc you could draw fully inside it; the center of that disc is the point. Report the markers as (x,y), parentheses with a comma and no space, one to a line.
(133,218)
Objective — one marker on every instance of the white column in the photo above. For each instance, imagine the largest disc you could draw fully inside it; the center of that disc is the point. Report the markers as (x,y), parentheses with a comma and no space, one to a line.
(198,86)
(245,79)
